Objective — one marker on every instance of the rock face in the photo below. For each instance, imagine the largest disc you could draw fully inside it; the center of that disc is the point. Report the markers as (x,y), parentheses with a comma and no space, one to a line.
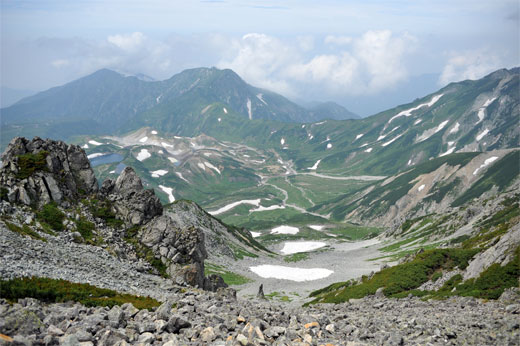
(133,203)
(38,171)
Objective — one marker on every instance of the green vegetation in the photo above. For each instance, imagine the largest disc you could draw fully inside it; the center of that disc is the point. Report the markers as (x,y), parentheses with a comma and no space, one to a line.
(24,230)
(51,216)
(300,256)
(3,193)
(436,276)
(278,296)
(230,278)
(145,252)
(56,291)
(103,209)
(30,163)
(398,279)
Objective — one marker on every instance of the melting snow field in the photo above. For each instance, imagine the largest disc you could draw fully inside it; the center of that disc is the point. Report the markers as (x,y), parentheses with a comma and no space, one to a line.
(487,162)
(291,247)
(94,142)
(92,156)
(315,166)
(261,208)
(408,112)
(143,155)
(391,141)
(482,134)
(159,173)
(482,110)
(455,128)
(169,192)
(230,206)
(290,273)
(285,230)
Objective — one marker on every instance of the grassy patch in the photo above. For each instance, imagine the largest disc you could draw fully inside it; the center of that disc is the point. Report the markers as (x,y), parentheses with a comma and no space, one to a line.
(52,216)
(55,291)
(398,279)
(230,278)
(3,193)
(24,230)
(30,163)
(102,209)
(300,256)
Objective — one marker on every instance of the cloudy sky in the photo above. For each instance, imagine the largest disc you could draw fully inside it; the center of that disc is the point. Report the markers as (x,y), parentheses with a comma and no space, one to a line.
(366,55)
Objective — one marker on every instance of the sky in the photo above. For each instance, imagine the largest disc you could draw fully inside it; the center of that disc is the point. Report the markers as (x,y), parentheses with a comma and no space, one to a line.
(366,55)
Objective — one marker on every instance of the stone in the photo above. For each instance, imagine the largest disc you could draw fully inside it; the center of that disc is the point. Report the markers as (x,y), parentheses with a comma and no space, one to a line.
(207,335)
(176,323)
(242,339)
(260,294)
(146,338)
(379,292)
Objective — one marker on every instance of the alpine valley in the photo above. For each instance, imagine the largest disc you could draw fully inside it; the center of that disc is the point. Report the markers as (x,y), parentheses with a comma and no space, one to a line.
(203,210)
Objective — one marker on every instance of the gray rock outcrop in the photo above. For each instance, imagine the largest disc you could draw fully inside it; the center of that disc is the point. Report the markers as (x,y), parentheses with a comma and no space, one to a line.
(39,171)
(134,204)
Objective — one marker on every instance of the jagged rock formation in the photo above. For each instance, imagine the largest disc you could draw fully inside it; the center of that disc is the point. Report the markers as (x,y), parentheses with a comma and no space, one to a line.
(39,171)
(132,202)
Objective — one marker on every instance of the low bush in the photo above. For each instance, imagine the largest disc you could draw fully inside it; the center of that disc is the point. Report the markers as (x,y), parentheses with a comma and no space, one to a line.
(55,291)
(24,230)
(30,163)
(52,216)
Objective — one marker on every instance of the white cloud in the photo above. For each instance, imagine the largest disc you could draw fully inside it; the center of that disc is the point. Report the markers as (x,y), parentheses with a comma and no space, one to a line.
(127,42)
(60,63)
(469,65)
(370,63)
(338,40)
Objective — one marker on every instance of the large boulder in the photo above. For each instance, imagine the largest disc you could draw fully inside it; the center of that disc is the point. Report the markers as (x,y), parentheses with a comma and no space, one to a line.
(134,204)
(39,171)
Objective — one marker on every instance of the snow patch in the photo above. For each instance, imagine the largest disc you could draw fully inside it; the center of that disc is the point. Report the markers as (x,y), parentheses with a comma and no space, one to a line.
(291,247)
(154,132)
(359,136)
(230,206)
(447,152)
(482,110)
(455,128)
(159,173)
(224,109)
(179,174)
(249,110)
(317,227)
(259,96)
(143,155)
(282,141)
(166,145)
(391,141)
(172,159)
(409,162)
(408,112)
(381,137)
(143,140)
(417,122)
(421,187)
(482,134)
(169,192)
(363,145)
(329,145)
(210,166)
(272,207)
(428,133)
(487,162)
(93,156)
(94,142)
(368,150)
(315,166)
(285,230)
(255,234)
(290,273)
(85,146)
(219,119)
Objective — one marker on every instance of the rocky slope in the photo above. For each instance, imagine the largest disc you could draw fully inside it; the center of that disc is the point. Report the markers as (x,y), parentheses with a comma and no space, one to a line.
(44,173)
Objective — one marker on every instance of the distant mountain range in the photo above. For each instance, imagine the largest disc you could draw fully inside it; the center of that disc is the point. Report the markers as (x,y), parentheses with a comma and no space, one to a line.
(109,102)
